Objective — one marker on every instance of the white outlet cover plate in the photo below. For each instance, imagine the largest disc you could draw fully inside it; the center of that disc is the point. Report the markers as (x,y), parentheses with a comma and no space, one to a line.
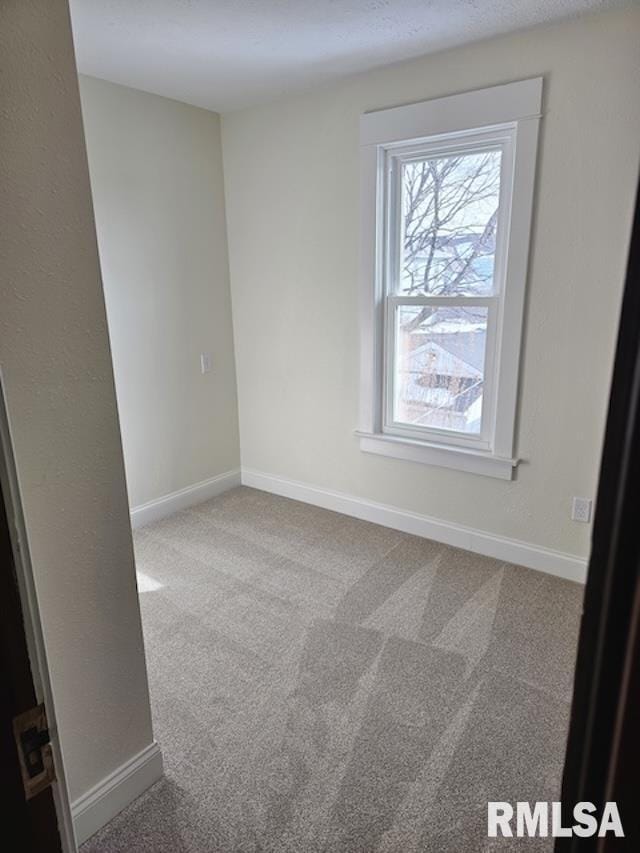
(581,509)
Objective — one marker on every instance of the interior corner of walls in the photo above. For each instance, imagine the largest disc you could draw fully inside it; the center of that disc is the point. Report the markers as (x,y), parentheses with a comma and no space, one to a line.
(104,801)
(174,150)
(173,502)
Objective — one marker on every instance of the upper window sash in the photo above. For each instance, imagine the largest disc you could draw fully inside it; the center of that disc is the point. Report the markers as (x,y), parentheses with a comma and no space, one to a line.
(389,191)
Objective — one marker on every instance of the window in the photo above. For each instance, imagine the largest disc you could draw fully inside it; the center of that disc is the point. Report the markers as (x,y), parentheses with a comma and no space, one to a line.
(446,208)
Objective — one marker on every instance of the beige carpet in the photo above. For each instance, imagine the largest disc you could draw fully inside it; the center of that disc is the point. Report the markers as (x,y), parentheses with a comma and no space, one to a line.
(324,684)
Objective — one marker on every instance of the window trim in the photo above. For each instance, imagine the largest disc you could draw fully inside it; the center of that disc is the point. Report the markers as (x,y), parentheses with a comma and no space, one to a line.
(511,110)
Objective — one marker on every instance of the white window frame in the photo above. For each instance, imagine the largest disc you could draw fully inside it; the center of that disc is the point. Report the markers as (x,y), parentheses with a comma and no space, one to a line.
(502,117)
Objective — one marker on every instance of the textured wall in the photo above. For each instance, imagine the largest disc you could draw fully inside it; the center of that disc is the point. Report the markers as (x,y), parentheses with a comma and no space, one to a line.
(54,353)
(291,177)
(156,177)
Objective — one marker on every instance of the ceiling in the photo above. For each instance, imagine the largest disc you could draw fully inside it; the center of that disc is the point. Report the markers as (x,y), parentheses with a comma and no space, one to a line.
(229,54)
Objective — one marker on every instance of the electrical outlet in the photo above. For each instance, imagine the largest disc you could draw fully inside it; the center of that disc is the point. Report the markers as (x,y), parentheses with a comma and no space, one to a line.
(206,362)
(581,510)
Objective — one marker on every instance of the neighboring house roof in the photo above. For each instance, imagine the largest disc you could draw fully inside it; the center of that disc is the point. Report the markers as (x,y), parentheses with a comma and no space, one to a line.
(467,347)
(434,357)
(450,344)
(461,333)
(453,346)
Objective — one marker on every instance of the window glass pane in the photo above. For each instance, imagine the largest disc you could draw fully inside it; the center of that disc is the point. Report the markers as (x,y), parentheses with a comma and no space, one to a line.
(449,216)
(439,367)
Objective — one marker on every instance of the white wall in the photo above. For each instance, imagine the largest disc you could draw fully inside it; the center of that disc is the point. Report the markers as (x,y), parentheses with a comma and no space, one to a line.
(291,176)
(54,353)
(156,177)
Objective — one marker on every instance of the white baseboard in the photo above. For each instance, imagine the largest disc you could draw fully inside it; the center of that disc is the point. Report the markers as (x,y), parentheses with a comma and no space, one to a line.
(103,802)
(183,498)
(556,563)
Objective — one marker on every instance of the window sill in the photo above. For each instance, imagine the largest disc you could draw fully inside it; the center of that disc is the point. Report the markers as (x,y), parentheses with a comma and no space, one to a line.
(459,458)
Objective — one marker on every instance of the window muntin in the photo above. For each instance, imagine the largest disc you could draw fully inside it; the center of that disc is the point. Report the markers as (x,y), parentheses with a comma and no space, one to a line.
(445,214)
